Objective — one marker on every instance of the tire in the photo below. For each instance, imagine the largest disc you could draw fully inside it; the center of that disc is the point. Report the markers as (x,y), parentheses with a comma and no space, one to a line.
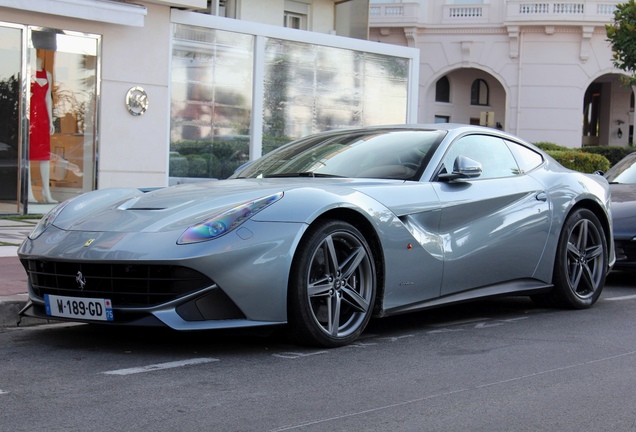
(580,265)
(332,286)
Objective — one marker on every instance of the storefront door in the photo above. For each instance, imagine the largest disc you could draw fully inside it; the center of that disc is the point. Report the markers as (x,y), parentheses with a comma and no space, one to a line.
(49,88)
(63,71)
(10,118)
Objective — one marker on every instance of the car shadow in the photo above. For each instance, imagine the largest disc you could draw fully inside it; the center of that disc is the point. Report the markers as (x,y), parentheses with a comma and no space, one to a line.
(158,341)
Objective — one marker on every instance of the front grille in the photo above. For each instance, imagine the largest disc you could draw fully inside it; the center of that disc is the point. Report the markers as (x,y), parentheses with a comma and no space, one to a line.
(126,285)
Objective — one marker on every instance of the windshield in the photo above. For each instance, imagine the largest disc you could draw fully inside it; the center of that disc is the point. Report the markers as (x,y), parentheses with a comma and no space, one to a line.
(384,154)
(624,171)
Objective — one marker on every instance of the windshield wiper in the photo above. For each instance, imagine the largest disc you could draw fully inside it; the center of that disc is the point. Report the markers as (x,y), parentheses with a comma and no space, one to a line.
(300,174)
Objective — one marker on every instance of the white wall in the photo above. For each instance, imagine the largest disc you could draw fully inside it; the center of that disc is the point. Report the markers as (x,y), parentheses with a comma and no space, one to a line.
(134,149)
(321,13)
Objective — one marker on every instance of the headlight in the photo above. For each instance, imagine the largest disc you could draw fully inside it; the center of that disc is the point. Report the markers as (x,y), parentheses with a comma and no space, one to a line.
(47,220)
(225,222)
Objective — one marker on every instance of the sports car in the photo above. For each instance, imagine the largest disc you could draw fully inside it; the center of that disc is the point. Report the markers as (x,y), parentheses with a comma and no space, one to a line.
(622,178)
(328,231)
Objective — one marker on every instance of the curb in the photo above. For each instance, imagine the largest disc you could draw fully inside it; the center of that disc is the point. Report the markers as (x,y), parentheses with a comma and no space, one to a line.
(10,306)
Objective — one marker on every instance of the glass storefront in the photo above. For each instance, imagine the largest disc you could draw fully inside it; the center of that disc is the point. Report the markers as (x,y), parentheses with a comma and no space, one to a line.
(313,88)
(212,73)
(10,116)
(51,157)
(300,88)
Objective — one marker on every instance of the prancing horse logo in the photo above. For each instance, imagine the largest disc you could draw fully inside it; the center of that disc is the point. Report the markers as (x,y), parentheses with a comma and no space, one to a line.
(81,280)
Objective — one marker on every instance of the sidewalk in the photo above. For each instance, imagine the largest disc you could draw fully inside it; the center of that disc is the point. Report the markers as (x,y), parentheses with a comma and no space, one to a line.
(13,278)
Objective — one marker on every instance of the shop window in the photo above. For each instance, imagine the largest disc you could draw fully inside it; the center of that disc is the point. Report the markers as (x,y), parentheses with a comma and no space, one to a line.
(300,79)
(479,93)
(212,74)
(62,111)
(302,88)
(52,99)
(10,115)
(442,90)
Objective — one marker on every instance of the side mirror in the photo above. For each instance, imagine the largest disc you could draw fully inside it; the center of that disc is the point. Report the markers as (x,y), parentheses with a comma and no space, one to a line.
(464,168)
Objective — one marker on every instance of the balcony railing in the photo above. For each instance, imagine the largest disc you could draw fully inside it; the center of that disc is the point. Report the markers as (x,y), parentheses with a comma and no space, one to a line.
(395,14)
(465,14)
(560,11)
(500,12)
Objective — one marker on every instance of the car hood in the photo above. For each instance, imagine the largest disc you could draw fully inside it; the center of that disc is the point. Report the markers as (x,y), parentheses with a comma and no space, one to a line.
(624,210)
(130,210)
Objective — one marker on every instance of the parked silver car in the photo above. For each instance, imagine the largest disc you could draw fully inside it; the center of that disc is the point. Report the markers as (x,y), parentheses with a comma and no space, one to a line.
(328,231)
(622,178)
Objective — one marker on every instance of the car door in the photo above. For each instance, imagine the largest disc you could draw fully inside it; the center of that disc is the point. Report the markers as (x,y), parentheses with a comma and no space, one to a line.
(495,226)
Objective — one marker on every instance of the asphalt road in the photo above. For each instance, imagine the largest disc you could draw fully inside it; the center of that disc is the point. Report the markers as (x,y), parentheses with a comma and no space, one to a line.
(500,365)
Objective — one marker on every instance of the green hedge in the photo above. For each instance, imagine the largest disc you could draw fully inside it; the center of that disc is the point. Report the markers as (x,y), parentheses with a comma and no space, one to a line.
(580,161)
(612,153)
(215,159)
(178,166)
(219,159)
(586,159)
(548,146)
(208,159)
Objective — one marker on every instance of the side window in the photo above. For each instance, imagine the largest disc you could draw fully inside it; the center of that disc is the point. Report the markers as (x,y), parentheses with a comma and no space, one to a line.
(527,159)
(491,152)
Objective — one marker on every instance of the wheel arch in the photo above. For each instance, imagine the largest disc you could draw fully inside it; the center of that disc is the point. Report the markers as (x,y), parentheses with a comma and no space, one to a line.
(371,236)
(564,294)
(602,216)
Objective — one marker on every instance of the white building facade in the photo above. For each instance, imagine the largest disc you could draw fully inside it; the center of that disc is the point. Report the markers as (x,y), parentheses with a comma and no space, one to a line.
(159,89)
(542,70)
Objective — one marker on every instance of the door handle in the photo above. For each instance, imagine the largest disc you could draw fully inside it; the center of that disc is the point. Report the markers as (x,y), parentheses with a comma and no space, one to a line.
(542,196)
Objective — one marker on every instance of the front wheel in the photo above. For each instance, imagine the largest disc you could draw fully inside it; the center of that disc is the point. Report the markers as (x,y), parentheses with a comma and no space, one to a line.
(332,285)
(581,262)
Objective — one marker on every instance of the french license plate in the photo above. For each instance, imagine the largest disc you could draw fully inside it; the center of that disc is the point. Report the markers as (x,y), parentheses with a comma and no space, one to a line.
(78,307)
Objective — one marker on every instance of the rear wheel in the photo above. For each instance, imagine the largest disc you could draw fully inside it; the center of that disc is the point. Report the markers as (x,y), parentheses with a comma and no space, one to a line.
(332,285)
(581,263)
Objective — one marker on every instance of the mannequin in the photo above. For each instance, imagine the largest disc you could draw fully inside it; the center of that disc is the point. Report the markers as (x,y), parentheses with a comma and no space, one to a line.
(41,129)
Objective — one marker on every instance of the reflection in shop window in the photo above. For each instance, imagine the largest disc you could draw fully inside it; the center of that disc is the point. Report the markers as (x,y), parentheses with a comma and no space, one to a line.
(306,88)
(63,86)
(311,88)
(10,116)
(211,102)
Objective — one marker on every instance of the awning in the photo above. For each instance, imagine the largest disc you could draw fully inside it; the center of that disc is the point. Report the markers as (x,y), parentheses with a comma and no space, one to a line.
(107,11)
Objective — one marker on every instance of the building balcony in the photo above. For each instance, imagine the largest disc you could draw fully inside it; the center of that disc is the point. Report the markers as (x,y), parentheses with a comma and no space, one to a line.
(395,15)
(560,12)
(511,12)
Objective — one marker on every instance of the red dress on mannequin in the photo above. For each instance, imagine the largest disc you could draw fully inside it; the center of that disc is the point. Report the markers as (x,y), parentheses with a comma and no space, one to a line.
(40,130)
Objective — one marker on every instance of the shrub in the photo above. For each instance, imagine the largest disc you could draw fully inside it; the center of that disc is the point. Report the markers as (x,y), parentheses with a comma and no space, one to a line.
(197,166)
(548,146)
(580,161)
(178,166)
(612,153)
(212,159)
